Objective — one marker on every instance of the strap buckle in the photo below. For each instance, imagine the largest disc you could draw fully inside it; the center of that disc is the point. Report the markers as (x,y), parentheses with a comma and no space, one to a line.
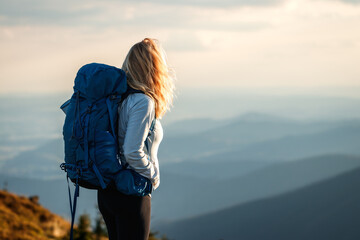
(63,167)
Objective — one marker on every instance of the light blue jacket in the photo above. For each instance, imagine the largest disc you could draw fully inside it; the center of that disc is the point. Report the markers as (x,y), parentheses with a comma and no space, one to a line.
(136,114)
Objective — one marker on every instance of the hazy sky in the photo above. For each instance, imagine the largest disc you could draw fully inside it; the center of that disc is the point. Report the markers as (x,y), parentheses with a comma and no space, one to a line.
(228,43)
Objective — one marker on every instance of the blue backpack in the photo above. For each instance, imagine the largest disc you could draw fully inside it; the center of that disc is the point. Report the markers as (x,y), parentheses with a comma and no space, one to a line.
(90,125)
(90,133)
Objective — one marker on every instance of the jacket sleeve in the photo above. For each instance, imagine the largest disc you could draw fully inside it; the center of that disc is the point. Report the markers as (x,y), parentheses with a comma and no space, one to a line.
(140,115)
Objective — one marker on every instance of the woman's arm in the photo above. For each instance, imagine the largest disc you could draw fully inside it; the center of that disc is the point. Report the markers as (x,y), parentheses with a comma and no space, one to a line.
(141,115)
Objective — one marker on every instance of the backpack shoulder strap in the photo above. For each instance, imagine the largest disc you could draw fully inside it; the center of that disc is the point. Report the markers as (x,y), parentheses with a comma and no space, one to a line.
(129,91)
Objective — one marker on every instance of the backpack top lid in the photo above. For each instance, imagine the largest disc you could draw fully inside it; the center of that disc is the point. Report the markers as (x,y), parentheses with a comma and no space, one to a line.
(96,80)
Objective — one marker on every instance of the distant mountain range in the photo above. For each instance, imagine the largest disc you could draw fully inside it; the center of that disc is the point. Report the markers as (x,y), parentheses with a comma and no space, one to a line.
(250,138)
(220,164)
(183,196)
(327,210)
(342,140)
(40,163)
(202,169)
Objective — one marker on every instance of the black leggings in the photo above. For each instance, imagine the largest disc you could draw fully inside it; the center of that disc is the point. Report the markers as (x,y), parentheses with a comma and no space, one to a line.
(126,217)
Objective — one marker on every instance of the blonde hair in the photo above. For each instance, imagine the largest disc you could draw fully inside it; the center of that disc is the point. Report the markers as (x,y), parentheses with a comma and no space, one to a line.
(147,70)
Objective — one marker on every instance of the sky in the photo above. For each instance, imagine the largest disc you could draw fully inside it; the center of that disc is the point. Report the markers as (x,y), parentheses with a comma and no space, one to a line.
(236,44)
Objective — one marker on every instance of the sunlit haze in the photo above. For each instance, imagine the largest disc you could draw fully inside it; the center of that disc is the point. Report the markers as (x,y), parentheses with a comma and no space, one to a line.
(293,45)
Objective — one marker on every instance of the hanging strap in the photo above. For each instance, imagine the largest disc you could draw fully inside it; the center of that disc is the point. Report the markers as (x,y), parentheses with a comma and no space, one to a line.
(73,206)
(152,126)
(98,175)
(150,130)
(67,179)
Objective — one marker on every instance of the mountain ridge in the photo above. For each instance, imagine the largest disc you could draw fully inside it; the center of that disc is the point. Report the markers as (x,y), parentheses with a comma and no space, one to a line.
(199,197)
(327,210)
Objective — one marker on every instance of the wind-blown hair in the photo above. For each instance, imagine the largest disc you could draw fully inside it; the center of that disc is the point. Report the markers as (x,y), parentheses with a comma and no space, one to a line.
(147,70)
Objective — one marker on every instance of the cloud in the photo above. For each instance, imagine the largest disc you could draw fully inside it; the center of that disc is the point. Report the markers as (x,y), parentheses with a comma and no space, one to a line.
(111,12)
(218,3)
(300,42)
(196,14)
(184,41)
(140,15)
(42,12)
(351,1)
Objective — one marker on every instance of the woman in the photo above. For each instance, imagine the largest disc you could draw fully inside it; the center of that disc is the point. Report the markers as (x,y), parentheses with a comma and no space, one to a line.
(128,217)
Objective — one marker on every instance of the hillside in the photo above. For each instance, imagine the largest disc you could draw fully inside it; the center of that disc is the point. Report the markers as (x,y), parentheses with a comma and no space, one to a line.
(53,194)
(24,218)
(328,210)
